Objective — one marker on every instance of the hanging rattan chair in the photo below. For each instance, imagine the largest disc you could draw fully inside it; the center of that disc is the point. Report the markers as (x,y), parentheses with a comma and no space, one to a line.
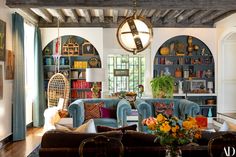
(58,87)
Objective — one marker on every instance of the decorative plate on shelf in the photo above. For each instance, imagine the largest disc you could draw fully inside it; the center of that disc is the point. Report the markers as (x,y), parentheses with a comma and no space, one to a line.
(93,62)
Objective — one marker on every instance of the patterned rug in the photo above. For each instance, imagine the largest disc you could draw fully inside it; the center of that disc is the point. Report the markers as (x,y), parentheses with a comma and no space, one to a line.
(35,152)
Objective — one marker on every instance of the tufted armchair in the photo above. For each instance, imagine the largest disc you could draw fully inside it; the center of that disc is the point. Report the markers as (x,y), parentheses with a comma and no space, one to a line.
(182,108)
(123,108)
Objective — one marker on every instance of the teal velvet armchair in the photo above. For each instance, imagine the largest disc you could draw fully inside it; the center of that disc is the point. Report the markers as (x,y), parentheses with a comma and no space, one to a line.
(123,108)
(181,109)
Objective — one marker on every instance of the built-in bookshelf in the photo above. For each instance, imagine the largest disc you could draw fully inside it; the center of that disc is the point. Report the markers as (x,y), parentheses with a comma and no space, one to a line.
(76,54)
(191,63)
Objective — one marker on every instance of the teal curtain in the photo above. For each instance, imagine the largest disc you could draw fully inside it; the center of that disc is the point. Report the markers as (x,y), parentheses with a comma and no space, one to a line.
(18,108)
(39,100)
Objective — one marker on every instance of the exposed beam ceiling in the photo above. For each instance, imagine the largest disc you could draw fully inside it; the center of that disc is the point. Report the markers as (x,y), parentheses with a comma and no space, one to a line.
(108,13)
(143,4)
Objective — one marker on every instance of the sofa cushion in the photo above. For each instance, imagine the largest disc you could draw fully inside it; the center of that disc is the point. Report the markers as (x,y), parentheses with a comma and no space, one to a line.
(88,127)
(138,139)
(106,128)
(108,112)
(63,139)
(92,110)
(164,108)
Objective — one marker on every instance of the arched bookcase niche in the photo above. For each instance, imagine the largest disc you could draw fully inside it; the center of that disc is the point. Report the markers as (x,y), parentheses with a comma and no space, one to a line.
(190,61)
(77,54)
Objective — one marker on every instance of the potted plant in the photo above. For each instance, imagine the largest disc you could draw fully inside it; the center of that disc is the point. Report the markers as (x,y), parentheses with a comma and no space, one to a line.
(162,86)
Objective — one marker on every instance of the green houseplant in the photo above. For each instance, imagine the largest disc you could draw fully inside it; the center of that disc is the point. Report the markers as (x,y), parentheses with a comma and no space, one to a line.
(162,86)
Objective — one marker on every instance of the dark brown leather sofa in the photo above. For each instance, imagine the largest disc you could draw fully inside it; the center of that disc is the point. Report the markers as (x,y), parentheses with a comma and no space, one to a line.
(66,144)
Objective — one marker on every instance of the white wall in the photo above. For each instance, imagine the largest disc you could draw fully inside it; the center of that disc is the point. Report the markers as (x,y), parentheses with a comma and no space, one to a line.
(226,33)
(6,102)
(207,35)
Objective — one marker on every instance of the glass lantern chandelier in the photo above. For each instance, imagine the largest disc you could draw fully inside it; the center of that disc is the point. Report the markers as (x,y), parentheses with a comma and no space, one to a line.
(134,34)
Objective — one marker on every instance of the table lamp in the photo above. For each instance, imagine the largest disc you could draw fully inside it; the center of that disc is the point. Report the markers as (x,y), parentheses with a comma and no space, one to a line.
(210,86)
(95,75)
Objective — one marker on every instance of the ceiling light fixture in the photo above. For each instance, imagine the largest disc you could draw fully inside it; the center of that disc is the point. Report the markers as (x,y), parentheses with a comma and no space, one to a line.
(134,34)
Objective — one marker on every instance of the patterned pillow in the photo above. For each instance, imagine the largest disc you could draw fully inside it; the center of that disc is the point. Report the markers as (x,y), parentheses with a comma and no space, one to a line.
(108,112)
(92,110)
(166,109)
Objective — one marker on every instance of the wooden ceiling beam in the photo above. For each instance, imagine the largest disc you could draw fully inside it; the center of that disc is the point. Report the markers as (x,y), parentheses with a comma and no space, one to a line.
(101,15)
(87,15)
(57,13)
(144,12)
(43,13)
(212,16)
(151,12)
(148,4)
(72,14)
(129,13)
(115,14)
(29,14)
(223,16)
(156,16)
(198,15)
(172,14)
(185,15)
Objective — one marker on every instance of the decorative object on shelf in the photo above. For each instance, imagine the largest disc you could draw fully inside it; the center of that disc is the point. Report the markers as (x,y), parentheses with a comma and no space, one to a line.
(198,86)
(162,86)
(178,73)
(210,86)
(2,40)
(165,51)
(93,62)
(172,132)
(167,71)
(179,48)
(172,48)
(95,75)
(140,90)
(87,49)
(180,89)
(134,34)
(190,45)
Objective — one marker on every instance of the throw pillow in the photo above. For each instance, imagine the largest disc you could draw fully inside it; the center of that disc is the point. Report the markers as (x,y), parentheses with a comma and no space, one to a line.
(92,110)
(167,109)
(228,126)
(63,127)
(88,127)
(108,112)
(123,129)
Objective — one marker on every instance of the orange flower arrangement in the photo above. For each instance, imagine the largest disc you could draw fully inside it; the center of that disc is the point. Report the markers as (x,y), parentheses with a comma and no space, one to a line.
(171,131)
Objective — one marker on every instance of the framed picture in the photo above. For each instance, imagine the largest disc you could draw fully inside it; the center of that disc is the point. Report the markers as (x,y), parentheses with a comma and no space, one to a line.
(197,85)
(9,65)
(121,72)
(2,40)
(88,49)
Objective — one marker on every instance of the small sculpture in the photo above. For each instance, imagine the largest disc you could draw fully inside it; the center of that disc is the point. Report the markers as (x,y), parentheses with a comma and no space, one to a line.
(180,89)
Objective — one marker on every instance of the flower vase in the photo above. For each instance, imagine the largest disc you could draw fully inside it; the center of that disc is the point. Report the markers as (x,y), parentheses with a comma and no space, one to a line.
(173,151)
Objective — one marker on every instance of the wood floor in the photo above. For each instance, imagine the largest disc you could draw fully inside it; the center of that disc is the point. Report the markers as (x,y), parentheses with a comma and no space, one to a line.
(25,147)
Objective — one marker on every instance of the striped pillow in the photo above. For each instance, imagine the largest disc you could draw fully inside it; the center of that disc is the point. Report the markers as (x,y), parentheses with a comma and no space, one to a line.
(92,110)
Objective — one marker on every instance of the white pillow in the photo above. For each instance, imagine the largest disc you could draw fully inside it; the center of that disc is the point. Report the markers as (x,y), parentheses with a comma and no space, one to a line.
(224,127)
(88,127)
(228,126)
(62,127)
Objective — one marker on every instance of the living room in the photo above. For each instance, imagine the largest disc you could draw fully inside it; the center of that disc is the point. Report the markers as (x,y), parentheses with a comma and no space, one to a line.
(218,36)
